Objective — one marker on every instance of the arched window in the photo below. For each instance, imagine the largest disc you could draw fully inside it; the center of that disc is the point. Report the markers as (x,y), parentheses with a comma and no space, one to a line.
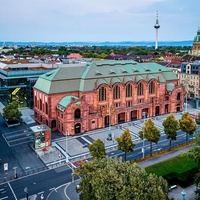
(40,104)
(140,89)
(129,90)
(35,101)
(46,107)
(77,114)
(116,92)
(53,123)
(102,94)
(179,96)
(152,88)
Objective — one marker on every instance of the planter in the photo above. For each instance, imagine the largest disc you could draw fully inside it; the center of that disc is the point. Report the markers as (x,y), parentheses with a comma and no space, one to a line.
(10,124)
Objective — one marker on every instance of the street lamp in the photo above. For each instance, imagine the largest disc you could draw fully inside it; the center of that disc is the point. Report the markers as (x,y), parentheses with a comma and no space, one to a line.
(143,114)
(113,138)
(67,159)
(15,172)
(186,87)
(109,130)
(26,192)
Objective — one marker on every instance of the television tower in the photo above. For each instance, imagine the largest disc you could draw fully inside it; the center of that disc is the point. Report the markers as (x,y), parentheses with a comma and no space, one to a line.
(157,26)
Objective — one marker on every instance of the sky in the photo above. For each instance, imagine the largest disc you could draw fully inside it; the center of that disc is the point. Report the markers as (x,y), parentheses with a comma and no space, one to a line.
(98,21)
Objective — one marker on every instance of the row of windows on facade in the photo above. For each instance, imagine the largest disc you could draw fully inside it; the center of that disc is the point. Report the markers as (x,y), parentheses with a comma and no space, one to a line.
(77,112)
(140,101)
(129,90)
(191,76)
(102,94)
(42,106)
(43,120)
(193,67)
(190,83)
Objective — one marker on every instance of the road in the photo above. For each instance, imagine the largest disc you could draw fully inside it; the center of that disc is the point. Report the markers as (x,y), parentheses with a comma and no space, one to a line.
(41,183)
(161,145)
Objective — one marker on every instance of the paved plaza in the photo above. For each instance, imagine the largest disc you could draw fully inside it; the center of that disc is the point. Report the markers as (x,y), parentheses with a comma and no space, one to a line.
(76,147)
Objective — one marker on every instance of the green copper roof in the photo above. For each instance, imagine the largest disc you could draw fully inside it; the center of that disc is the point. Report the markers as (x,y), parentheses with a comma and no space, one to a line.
(139,78)
(100,82)
(87,77)
(197,37)
(150,77)
(65,101)
(170,87)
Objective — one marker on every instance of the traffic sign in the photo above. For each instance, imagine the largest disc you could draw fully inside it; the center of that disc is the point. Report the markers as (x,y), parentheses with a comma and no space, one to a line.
(5,167)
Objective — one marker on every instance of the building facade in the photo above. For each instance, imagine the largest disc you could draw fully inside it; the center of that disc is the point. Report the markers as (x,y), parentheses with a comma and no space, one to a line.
(189,77)
(81,98)
(196,44)
(17,81)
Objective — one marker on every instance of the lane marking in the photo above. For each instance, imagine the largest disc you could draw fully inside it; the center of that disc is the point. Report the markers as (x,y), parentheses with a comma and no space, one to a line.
(12,191)
(6,140)
(4,198)
(40,192)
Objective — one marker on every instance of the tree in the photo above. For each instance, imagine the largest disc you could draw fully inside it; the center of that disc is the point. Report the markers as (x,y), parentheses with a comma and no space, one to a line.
(112,179)
(97,149)
(125,142)
(171,126)
(11,113)
(150,132)
(187,124)
(198,118)
(194,153)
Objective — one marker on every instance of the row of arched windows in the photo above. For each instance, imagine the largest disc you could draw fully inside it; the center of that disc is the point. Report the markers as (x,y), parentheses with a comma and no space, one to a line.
(129,91)
(42,106)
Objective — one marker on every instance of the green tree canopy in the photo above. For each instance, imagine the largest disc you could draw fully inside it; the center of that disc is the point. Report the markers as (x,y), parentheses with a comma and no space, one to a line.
(198,118)
(187,124)
(171,126)
(125,142)
(112,179)
(11,112)
(150,132)
(97,149)
(194,153)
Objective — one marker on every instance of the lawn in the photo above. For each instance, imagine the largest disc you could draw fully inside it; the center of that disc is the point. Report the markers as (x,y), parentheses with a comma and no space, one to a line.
(179,164)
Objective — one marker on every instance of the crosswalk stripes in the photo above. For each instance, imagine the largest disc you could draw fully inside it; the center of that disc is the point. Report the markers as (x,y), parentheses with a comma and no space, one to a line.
(16,138)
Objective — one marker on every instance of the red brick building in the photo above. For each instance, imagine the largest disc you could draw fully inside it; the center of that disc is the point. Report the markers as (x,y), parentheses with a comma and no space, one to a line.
(79,98)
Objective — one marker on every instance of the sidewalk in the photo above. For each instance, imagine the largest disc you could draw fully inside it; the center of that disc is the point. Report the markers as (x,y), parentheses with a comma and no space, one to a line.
(163,157)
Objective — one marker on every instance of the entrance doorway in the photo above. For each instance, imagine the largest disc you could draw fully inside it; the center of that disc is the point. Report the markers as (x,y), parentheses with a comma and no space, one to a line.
(145,113)
(157,111)
(133,115)
(106,121)
(121,118)
(177,107)
(77,128)
(166,108)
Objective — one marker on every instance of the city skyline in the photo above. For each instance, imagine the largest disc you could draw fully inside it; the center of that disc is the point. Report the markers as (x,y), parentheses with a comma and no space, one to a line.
(108,20)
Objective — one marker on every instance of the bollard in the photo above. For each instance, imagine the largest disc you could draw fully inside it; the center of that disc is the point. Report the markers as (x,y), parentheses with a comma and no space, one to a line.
(183,193)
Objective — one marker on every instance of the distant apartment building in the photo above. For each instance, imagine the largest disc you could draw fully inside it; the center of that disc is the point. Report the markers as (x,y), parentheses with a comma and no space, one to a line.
(189,76)
(83,97)
(196,44)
